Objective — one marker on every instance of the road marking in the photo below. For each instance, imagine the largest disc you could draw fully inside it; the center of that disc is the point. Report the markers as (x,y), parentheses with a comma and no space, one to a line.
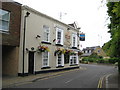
(107,80)
(69,81)
(100,82)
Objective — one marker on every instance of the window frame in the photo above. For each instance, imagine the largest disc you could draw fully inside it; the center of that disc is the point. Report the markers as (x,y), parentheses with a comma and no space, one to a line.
(8,21)
(72,57)
(44,58)
(74,36)
(62,60)
(45,31)
(59,30)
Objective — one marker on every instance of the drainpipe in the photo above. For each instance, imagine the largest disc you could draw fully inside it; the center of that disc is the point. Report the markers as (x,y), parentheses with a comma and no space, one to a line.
(27,14)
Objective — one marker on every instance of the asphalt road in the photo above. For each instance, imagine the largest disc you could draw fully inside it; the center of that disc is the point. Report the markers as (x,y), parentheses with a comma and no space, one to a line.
(87,77)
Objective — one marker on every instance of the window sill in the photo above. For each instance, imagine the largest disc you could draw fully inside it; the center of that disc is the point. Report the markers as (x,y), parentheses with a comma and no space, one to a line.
(59,66)
(59,45)
(46,67)
(74,47)
(73,64)
(4,32)
(45,42)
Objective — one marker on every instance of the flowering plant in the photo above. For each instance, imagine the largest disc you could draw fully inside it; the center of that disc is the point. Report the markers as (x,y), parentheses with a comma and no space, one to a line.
(43,48)
(79,53)
(59,51)
(69,52)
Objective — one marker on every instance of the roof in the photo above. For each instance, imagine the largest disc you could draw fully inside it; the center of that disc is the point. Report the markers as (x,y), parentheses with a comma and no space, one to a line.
(39,13)
(90,48)
(86,54)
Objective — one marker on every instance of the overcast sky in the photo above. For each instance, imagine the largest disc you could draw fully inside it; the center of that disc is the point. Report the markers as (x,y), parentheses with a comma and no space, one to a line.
(89,14)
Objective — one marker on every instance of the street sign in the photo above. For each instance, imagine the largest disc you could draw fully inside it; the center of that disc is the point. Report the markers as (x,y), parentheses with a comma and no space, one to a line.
(82,37)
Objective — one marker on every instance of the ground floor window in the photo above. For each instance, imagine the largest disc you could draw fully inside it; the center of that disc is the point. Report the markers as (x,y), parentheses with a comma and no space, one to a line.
(45,59)
(74,59)
(60,60)
(66,58)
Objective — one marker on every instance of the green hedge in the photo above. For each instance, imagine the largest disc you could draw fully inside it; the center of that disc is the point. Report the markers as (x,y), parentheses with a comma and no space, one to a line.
(113,60)
(101,60)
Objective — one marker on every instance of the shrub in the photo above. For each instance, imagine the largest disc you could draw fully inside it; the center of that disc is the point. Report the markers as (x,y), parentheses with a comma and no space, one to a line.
(113,60)
(106,60)
(85,59)
(100,60)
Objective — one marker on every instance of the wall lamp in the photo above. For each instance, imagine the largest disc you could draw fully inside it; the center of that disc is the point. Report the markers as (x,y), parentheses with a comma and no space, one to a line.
(38,36)
(68,28)
(27,14)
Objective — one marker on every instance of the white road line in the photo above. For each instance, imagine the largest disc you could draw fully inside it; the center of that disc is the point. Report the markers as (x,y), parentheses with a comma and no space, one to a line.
(69,81)
(107,80)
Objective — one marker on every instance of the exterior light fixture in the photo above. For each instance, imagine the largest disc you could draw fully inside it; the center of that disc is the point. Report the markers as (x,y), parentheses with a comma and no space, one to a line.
(38,36)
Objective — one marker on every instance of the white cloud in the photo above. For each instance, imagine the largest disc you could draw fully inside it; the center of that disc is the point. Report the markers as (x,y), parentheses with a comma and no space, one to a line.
(87,13)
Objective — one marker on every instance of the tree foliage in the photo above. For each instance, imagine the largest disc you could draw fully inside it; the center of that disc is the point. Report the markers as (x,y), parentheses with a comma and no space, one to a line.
(112,48)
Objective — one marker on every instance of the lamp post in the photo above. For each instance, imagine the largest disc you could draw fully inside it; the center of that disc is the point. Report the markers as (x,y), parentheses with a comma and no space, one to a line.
(27,14)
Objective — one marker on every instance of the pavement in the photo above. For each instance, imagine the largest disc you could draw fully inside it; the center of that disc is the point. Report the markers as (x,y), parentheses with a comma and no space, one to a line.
(112,81)
(108,81)
(9,81)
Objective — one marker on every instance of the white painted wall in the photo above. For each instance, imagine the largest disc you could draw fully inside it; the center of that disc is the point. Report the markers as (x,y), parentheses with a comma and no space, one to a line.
(34,27)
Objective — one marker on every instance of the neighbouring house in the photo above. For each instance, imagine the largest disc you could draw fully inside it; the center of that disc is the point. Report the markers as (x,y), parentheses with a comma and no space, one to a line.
(89,50)
(46,43)
(10,23)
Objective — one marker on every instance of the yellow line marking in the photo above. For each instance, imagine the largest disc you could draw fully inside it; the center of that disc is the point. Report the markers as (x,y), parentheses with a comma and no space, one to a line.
(100,82)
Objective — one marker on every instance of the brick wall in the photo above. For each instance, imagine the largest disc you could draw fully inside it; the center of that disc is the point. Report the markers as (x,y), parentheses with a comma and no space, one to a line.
(12,38)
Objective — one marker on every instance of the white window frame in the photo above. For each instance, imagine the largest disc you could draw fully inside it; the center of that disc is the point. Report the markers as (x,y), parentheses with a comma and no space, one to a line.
(86,51)
(74,36)
(44,58)
(46,30)
(59,30)
(62,60)
(72,59)
(1,21)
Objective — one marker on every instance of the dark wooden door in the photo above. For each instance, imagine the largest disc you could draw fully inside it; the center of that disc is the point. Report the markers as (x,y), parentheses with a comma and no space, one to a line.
(31,63)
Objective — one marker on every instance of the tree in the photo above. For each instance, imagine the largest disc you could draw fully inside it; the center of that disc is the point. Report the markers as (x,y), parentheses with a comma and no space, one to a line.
(112,48)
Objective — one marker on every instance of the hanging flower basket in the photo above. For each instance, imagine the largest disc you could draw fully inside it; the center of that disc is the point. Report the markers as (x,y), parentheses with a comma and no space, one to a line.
(80,53)
(69,52)
(43,49)
(59,51)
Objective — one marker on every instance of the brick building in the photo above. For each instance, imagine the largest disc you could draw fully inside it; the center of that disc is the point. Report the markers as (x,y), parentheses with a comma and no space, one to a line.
(10,30)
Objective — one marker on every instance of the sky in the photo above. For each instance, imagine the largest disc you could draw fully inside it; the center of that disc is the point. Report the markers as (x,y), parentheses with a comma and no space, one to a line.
(90,15)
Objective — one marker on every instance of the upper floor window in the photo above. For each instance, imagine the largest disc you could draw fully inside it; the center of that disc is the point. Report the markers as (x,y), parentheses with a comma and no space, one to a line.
(59,36)
(4,20)
(86,51)
(46,33)
(74,40)
(89,51)
(98,51)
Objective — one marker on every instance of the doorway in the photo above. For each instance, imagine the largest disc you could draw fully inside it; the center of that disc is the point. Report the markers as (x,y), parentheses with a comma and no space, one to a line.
(31,63)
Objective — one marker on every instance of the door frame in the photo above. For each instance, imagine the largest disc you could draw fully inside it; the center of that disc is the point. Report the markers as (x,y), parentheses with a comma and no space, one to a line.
(31,65)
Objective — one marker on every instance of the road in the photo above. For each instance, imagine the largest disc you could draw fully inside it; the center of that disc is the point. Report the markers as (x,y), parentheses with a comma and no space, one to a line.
(86,77)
